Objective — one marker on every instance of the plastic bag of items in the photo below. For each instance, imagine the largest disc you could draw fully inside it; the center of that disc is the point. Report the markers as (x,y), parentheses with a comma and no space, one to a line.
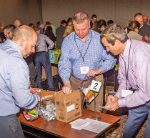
(31,114)
(47,110)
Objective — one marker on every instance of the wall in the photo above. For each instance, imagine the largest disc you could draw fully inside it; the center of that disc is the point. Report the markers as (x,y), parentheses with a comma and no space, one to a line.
(55,10)
(25,10)
(118,10)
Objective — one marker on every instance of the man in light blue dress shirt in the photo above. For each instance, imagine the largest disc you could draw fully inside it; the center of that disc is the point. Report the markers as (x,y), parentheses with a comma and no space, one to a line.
(14,80)
(83,56)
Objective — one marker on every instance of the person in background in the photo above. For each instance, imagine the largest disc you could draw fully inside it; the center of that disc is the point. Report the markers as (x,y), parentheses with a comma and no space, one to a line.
(69,20)
(31,25)
(49,33)
(110,23)
(2,36)
(14,79)
(144,28)
(93,21)
(101,25)
(59,33)
(30,62)
(133,77)
(42,59)
(52,26)
(41,26)
(17,23)
(68,29)
(83,57)
(133,29)
(8,31)
(145,19)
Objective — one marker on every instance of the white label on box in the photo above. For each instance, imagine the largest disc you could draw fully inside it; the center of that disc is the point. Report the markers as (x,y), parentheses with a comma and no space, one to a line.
(125,93)
(70,107)
(95,86)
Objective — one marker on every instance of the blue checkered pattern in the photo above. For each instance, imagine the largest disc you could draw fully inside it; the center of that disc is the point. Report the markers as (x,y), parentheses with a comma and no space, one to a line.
(71,60)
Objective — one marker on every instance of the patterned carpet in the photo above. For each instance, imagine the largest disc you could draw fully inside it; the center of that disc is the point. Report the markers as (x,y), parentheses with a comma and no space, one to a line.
(118,130)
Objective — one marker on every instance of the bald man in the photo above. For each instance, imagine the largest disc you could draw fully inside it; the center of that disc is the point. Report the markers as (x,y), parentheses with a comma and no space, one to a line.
(14,79)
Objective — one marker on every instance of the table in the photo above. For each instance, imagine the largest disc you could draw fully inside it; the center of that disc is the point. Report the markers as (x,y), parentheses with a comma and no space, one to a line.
(43,129)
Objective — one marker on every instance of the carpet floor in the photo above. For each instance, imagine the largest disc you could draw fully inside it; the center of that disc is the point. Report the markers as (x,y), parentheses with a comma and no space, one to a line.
(117,131)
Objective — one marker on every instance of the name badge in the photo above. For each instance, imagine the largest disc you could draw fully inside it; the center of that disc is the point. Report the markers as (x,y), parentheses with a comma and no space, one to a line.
(125,93)
(84,70)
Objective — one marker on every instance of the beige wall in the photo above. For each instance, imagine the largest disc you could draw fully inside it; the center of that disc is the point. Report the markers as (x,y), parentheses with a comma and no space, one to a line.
(26,10)
(55,10)
(119,10)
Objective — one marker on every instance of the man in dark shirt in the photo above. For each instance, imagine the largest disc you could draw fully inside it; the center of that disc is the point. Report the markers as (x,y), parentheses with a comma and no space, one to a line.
(144,28)
(59,33)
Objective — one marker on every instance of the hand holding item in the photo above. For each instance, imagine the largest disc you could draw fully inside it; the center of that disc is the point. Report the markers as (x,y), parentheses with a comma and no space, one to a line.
(114,106)
(67,87)
(111,99)
(93,72)
(33,90)
(112,103)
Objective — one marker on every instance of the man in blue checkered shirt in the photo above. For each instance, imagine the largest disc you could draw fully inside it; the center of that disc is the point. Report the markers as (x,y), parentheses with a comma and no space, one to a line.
(83,56)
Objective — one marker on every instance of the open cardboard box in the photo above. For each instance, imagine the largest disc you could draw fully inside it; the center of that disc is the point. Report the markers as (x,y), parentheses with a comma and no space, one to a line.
(68,106)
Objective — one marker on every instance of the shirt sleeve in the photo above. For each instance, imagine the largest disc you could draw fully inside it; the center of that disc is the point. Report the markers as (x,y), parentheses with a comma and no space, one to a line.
(49,42)
(142,73)
(107,62)
(64,65)
(20,85)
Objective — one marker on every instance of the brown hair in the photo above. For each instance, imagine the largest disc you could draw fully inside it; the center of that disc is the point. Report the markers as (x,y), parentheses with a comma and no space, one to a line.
(80,17)
(132,25)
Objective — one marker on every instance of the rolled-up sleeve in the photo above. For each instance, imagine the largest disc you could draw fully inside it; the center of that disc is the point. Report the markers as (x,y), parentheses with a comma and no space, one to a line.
(108,61)
(64,65)
(20,86)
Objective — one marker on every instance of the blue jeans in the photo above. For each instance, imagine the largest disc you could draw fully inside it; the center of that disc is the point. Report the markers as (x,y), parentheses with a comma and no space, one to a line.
(42,59)
(136,117)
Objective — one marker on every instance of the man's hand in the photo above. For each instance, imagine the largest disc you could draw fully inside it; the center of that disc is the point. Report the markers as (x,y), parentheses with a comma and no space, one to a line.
(93,72)
(67,87)
(111,99)
(33,90)
(112,103)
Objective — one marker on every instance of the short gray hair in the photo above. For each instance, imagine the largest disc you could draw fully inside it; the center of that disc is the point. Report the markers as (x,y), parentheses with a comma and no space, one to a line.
(80,17)
(115,32)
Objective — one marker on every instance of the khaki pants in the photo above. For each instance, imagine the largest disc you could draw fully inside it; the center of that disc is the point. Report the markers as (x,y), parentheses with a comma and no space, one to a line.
(99,99)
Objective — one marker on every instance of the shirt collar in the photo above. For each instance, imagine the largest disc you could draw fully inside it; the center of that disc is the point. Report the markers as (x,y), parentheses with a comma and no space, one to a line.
(14,46)
(127,48)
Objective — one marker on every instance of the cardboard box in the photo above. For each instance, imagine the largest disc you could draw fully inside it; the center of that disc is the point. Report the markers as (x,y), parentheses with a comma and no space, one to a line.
(68,106)
(44,94)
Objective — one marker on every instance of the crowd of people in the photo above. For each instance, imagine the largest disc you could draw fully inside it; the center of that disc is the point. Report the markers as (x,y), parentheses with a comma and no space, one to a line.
(87,48)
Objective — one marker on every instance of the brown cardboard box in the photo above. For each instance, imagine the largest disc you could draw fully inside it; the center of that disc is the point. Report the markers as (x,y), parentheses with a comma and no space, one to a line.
(68,106)
(44,94)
